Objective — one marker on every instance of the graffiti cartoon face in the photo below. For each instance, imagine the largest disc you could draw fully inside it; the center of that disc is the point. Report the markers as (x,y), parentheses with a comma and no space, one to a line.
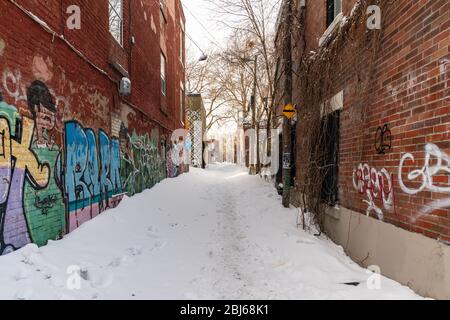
(42,106)
(45,122)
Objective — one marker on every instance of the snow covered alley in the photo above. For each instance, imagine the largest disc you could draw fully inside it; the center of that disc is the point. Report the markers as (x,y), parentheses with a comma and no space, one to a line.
(214,234)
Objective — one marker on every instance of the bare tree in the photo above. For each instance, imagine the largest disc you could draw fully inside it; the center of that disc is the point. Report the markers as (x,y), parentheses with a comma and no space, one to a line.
(252,23)
(210,79)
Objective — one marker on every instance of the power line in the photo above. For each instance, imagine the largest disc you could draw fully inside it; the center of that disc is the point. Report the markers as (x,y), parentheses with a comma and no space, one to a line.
(185,32)
(190,38)
(214,40)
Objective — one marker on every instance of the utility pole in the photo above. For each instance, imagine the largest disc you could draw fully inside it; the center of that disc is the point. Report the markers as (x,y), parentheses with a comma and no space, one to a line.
(287,148)
(254,166)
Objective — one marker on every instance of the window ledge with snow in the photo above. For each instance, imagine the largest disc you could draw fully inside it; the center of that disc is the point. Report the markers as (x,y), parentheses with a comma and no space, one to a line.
(336,22)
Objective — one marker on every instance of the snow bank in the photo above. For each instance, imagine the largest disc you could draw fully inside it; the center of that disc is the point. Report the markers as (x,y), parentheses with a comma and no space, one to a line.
(215,234)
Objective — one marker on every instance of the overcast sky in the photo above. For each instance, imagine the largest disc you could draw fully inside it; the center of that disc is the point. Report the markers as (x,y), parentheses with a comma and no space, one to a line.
(198,13)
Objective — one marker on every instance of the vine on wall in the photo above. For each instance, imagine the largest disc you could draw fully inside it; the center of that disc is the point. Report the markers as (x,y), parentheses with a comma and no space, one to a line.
(348,56)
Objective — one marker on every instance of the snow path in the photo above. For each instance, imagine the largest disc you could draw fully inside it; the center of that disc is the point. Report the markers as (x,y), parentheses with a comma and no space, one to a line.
(215,234)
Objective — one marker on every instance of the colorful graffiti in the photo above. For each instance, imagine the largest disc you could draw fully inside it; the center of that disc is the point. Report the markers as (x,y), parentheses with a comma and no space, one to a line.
(89,173)
(55,174)
(44,207)
(141,164)
(376,185)
(171,167)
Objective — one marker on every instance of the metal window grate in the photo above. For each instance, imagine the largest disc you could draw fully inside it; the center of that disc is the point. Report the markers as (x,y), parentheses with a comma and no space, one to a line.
(196,131)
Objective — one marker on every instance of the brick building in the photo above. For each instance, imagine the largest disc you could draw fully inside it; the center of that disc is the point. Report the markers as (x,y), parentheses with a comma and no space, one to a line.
(71,145)
(387,92)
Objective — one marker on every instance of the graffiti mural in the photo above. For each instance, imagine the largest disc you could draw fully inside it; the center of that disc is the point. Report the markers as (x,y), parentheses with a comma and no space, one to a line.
(44,208)
(171,167)
(433,176)
(375,185)
(30,203)
(141,164)
(89,174)
(54,174)
(179,153)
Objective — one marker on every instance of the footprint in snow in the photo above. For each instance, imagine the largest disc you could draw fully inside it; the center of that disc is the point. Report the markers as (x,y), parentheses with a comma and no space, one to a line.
(159,245)
(24,294)
(57,281)
(135,251)
(305,242)
(47,274)
(117,262)
(45,271)
(22,274)
(103,280)
(152,232)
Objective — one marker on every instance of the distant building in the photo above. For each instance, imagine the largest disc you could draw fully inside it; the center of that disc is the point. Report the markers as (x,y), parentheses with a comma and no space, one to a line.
(196,124)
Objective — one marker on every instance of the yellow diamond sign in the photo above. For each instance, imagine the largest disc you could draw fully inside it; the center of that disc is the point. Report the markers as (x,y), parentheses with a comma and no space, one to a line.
(289,111)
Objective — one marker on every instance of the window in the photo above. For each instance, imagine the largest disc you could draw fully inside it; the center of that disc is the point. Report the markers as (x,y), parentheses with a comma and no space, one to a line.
(163,74)
(333,9)
(329,157)
(181,46)
(182,42)
(334,17)
(181,105)
(116,19)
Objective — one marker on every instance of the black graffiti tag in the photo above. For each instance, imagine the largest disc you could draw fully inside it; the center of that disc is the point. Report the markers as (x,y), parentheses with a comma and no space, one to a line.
(383,139)
(46,203)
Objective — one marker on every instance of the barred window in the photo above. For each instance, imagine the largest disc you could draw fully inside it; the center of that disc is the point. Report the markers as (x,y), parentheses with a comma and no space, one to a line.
(116,19)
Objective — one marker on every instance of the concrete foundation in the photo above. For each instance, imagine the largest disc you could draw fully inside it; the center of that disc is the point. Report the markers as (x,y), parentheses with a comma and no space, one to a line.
(412,259)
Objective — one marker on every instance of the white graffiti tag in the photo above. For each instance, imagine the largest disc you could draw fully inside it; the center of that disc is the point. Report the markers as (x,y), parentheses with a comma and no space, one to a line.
(13,86)
(376,185)
(436,162)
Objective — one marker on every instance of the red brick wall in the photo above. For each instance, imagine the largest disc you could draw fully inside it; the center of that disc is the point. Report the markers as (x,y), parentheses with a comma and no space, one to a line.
(409,94)
(316,12)
(70,145)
